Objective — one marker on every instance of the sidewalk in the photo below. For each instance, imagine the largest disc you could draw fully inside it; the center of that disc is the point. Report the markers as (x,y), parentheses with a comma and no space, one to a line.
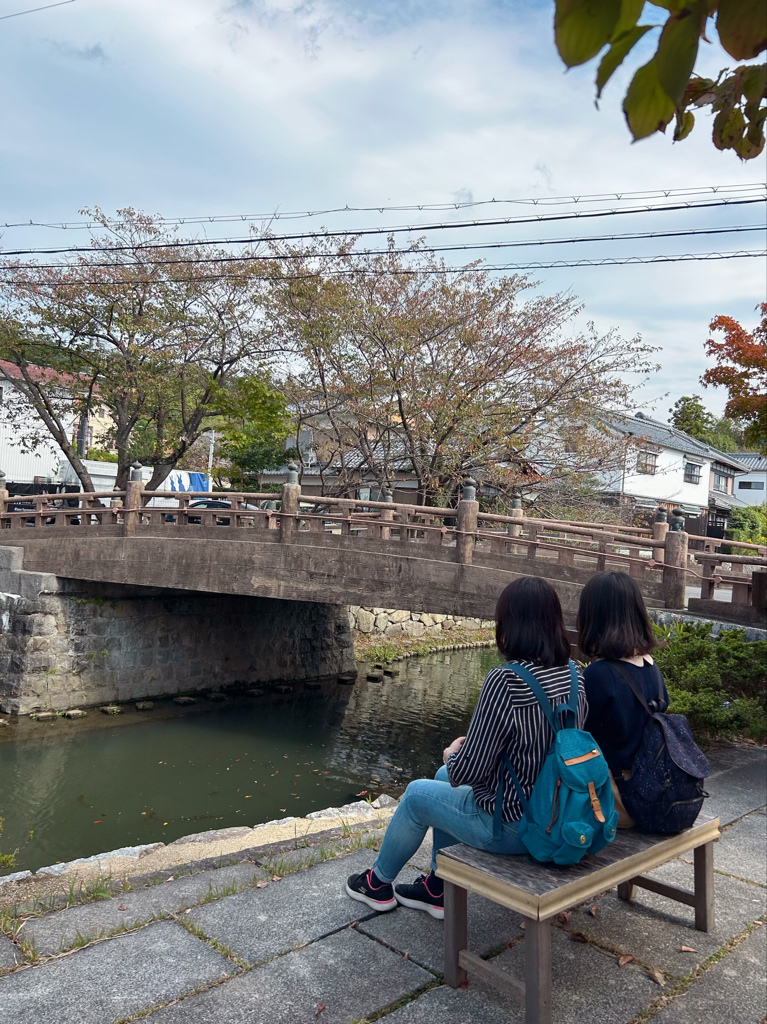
(239,944)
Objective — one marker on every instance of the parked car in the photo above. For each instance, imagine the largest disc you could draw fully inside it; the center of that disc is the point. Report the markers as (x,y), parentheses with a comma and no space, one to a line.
(210,503)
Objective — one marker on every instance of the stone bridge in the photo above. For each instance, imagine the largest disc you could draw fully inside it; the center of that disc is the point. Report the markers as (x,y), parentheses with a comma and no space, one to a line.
(108,586)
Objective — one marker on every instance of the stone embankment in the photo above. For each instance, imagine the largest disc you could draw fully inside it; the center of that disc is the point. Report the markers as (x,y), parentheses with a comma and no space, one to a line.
(391,622)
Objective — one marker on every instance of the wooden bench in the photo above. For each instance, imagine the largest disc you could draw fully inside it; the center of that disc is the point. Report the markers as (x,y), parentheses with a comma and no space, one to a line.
(541,891)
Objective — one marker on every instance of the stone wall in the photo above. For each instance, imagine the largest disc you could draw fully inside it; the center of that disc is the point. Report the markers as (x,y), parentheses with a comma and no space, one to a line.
(65,643)
(396,622)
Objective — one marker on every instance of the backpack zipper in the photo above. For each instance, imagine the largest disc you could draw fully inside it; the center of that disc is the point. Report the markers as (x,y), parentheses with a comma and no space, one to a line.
(554,807)
(596,752)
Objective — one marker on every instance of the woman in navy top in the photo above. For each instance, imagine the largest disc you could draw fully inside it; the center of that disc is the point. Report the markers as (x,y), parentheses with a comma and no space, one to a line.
(613,626)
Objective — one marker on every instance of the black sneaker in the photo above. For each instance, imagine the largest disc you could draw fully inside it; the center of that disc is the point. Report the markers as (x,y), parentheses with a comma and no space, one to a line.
(377,897)
(425,893)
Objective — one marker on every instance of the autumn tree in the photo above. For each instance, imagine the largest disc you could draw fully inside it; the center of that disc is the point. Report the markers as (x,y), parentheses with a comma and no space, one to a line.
(148,328)
(666,87)
(405,366)
(741,359)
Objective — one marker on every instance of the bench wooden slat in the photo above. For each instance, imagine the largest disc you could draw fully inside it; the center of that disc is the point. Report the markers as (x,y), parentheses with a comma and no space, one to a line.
(540,891)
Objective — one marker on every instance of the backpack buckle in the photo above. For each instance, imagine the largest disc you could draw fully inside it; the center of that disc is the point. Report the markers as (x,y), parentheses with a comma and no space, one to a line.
(596,807)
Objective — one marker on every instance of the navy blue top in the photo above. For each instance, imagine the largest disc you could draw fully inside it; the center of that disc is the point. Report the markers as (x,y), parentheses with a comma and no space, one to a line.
(615,718)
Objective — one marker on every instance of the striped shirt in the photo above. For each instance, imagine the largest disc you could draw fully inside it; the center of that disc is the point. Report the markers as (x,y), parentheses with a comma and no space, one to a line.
(508,720)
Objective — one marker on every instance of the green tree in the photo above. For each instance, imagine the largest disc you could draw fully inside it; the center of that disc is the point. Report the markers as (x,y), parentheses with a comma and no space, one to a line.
(666,87)
(254,429)
(690,415)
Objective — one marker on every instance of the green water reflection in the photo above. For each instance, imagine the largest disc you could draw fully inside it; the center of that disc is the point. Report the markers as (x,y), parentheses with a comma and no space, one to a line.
(85,787)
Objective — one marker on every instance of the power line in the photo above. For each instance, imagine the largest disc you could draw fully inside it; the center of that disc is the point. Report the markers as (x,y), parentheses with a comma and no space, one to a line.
(409,228)
(410,272)
(274,215)
(32,10)
(466,247)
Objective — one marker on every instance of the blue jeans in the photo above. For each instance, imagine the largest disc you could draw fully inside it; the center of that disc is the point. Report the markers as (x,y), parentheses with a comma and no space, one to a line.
(453,814)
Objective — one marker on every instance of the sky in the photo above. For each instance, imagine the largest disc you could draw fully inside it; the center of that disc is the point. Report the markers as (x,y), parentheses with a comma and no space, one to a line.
(201,107)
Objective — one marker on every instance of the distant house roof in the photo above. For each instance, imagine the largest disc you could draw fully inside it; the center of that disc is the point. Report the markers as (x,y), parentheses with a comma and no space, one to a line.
(755,462)
(717,499)
(666,436)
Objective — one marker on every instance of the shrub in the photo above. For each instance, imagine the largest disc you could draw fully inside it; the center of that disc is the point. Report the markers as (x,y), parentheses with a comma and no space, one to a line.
(719,683)
(7,860)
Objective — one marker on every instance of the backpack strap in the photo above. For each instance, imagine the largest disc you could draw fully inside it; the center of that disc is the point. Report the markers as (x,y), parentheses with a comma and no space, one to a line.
(660,701)
(498,808)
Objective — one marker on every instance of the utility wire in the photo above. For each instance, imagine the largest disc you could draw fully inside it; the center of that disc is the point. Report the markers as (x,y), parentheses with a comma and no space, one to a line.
(275,215)
(467,247)
(409,228)
(401,272)
(32,10)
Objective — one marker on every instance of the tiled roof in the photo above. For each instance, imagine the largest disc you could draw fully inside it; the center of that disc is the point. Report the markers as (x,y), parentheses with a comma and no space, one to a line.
(666,436)
(755,462)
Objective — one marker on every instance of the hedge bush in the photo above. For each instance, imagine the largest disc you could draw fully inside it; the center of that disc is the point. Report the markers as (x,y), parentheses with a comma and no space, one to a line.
(719,683)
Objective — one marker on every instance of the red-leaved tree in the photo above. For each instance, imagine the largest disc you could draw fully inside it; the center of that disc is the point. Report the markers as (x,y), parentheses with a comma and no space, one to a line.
(742,368)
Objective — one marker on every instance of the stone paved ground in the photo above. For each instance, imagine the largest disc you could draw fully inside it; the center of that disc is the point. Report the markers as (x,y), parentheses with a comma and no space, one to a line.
(238,945)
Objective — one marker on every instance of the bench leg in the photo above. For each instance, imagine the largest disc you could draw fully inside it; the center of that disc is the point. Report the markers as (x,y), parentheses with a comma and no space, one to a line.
(456,933)
(626,891)
(537,972)
(704,887)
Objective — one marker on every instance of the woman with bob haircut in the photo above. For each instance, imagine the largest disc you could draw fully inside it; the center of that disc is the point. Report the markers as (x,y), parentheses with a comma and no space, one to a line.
(613,626)
(458,803)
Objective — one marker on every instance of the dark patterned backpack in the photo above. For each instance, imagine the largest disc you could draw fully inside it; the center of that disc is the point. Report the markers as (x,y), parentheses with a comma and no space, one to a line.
(665,791)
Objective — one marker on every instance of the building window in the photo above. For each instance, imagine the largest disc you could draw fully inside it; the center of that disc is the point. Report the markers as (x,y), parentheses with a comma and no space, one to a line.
(647,463)
(691,473)
(750,485)
(723,480)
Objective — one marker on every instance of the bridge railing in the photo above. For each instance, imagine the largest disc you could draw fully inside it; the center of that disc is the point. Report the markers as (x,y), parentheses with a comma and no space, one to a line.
(656,557)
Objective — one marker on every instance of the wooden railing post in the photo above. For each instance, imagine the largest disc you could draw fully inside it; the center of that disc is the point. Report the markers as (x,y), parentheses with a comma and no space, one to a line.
(134,490)
(387,514)
(291,501)
(675,568)
(468,511)
(759,590)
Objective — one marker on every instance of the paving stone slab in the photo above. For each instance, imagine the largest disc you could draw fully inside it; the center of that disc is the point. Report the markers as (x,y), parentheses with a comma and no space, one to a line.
(654,928)
(737,784)
(588,986)
(733,990)
(456,1005)
(260,923)
(421,937)
(742,849)
(9,954)
(62,929)
(350,975)
(112,979)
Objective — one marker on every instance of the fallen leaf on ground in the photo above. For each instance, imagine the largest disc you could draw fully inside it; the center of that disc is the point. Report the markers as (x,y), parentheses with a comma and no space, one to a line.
(522,924)
(688,949)
(169,878)
(362,792)
(657,976)
(564,917)
(122,907)
(261,885)
(276,878)
(578,937)
(320,1008)
(592,911)
(625,959)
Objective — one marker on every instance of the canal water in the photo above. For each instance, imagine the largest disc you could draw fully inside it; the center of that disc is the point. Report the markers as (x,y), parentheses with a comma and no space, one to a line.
(74,788)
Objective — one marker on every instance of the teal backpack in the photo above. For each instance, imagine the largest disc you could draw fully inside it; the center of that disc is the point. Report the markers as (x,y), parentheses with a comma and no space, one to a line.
(571,811)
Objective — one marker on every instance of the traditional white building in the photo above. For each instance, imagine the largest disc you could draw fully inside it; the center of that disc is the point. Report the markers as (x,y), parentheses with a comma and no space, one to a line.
(667,467)
(751,486)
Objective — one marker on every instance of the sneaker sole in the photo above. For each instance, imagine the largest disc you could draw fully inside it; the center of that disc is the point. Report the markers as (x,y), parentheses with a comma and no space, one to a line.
(379,905)
(436,912)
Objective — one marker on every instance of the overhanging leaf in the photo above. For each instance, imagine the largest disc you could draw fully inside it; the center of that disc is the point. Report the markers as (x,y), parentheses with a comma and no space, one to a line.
(685,122)
(617,54)
(582,27)
(629,16)
(678,48)
(742,28)
(647,107)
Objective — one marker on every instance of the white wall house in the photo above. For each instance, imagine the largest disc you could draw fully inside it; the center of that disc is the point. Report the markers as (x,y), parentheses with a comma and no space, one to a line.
(751,486)
(668,467)
(21,467)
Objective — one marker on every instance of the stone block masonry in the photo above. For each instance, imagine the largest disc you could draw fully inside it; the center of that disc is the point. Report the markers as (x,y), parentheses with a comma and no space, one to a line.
(67,643)
(396,622)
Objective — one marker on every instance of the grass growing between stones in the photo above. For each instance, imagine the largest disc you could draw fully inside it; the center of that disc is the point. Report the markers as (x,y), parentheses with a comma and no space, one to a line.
(681,985)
